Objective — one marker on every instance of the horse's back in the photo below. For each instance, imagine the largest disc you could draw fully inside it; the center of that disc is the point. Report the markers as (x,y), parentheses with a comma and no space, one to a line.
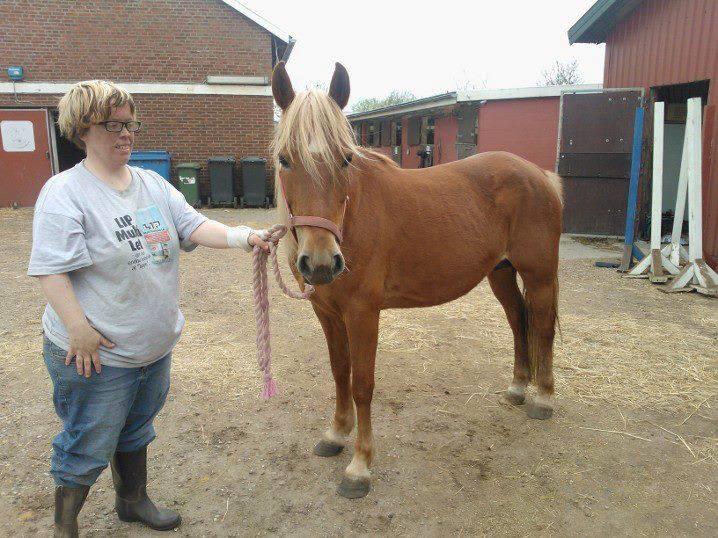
(505,165)
(517,183)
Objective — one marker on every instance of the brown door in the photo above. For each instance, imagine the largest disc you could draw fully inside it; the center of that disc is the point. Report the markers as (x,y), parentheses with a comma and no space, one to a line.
(25,160)
(595,143)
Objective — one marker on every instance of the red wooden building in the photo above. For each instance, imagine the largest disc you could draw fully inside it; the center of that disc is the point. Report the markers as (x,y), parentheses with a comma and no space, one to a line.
(669,49)
(451,126)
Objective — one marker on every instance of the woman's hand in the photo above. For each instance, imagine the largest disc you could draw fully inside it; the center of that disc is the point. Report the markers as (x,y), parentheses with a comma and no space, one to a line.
(84,340)
(257,241)
(214,234)
(84,343)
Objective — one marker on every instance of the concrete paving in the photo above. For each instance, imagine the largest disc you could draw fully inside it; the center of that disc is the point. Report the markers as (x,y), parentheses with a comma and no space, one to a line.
(578,247)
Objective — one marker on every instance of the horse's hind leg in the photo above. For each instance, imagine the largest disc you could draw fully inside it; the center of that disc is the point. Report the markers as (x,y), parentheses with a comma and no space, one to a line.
(335,438)
(542,308)
(503,283)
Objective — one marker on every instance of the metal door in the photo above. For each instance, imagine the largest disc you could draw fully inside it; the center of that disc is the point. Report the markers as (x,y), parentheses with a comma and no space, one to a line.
(594,159)
(25,160)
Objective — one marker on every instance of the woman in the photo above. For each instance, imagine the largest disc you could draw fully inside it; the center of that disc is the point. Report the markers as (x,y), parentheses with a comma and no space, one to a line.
(106,240)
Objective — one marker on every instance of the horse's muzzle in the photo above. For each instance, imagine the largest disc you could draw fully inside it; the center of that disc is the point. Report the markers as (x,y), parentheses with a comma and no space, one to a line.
(321,273)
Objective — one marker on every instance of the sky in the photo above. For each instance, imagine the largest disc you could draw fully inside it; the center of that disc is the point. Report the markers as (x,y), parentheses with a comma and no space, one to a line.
(433,47)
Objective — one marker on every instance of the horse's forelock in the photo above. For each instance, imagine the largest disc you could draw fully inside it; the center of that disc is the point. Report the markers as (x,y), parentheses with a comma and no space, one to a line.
(314,131)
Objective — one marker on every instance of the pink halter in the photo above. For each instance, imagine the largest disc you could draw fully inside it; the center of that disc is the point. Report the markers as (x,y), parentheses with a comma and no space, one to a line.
(314,222)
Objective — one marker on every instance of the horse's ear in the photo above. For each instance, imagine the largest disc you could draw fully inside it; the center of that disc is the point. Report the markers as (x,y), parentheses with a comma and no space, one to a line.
(282,87)
(339,88)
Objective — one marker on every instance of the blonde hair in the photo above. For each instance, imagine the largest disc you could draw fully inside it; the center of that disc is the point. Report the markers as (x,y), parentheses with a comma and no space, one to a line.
(314,131)
(87,103)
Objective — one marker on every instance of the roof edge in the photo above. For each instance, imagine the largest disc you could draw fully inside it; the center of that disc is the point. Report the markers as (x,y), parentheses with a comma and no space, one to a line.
(442,99)
(452,98)
(532,92)
(261,21)
(595,25)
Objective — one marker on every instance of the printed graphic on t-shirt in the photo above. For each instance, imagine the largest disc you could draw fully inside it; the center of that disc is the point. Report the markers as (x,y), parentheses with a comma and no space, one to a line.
(129,234)
(156,233)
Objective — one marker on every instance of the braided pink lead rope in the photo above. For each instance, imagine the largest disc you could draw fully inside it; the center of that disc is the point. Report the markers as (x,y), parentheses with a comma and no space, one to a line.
(261,302)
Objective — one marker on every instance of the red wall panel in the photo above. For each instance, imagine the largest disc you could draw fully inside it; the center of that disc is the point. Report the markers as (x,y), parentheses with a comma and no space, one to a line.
(445,131)
(526,127)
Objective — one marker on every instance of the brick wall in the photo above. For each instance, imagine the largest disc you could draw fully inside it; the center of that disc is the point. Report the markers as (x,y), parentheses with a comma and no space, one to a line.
(150,41)
(131,40)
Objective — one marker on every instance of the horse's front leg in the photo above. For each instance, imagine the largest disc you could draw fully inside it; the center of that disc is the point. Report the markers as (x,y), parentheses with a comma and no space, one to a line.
(362,331)
(335,438)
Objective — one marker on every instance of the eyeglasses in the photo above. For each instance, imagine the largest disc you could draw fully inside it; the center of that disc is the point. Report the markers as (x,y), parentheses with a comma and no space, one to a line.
(117,126)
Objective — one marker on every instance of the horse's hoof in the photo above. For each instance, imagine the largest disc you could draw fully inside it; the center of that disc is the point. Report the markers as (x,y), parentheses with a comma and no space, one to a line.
(354,489)
(514,398)
(539,411)
(325,449)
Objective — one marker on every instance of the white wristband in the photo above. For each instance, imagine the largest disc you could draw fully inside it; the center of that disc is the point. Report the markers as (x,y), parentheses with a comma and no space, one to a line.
(238,236)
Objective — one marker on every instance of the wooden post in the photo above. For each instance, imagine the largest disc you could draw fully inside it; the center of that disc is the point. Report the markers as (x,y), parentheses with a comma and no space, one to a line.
(677,251)
(629,249)
(695,162)
(657,196)
(652,266)
(697,274)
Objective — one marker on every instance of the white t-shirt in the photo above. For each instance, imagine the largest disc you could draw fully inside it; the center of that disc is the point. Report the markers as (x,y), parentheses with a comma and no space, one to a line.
(121,252)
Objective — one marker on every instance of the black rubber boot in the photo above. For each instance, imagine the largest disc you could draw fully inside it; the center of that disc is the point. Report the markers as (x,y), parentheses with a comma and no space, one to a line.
(68,503)
(129,474)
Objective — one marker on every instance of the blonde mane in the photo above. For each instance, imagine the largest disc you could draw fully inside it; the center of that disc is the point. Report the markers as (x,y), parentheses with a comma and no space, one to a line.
(313,131)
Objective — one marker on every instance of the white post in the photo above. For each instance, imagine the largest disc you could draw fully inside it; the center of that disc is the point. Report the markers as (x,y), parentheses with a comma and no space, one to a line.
(680,199)
(695,222)
(653,265)
(657,198)
(696,274)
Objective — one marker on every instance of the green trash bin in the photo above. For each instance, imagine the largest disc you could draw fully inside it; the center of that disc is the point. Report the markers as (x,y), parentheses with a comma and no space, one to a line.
(187,175)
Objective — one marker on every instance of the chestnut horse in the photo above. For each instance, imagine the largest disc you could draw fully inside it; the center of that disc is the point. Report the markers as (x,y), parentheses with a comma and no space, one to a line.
(370,235)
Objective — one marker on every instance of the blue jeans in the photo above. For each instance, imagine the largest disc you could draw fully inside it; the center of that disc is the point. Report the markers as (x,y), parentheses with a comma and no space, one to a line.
(111,411)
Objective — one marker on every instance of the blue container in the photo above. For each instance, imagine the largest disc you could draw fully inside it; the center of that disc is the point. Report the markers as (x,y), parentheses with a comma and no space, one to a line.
(159,161)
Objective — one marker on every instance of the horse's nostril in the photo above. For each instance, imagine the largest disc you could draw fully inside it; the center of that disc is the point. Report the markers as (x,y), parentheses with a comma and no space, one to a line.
(338,266)
(303,265)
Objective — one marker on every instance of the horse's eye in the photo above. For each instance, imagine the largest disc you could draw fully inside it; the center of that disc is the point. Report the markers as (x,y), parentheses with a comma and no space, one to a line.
(347,160)
(283,162)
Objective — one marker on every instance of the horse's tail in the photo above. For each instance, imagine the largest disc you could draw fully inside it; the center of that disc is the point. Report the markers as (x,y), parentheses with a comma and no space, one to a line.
(540,323)
(556,184)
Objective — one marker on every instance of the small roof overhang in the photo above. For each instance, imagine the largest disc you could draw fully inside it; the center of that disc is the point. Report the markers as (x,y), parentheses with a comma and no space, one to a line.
(436,103)
(424,104)
(595,25)
(525,93)
(261,21)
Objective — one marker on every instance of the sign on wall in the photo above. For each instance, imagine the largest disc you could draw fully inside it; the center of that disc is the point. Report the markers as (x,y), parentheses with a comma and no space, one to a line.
(17,136)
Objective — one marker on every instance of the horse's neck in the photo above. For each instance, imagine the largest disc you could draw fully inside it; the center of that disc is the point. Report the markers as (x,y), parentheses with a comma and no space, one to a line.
(378,181)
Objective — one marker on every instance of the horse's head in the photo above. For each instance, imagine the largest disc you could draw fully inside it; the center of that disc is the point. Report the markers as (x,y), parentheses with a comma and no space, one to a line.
(313,148)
